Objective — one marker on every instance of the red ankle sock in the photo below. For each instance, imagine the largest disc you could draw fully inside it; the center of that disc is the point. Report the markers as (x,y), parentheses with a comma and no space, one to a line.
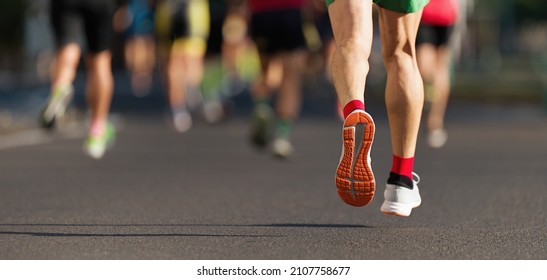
(97,128)
(352,106)
(402,166)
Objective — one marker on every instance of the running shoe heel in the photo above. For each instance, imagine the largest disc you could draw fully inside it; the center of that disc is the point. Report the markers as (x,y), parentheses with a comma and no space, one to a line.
(400,200)
(282,148)
(397,209)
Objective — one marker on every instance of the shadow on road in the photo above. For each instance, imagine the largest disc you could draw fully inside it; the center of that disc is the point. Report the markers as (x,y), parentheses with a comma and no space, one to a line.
(57,234)
(283,225)
(149,226)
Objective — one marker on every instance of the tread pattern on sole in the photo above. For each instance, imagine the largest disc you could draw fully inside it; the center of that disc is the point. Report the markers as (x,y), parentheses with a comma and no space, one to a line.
(354,178)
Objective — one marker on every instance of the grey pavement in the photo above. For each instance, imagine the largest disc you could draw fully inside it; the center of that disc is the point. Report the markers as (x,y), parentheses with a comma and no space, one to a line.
(208,194)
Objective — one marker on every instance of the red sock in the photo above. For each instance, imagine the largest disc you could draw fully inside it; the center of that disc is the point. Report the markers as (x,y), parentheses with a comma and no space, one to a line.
(97,127)
(402,166)
(352,106)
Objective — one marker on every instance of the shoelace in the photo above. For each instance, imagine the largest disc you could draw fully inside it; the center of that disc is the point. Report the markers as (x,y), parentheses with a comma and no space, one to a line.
(415,178)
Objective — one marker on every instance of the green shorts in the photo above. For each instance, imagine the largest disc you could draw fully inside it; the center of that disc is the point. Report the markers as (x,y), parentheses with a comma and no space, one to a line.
(401,6)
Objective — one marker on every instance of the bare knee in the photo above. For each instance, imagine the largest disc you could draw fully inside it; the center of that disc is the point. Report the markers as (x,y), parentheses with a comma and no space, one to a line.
(354,48)
(99,63)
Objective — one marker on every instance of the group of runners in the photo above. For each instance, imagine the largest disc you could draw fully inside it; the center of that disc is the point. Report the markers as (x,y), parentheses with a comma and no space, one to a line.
(278,30)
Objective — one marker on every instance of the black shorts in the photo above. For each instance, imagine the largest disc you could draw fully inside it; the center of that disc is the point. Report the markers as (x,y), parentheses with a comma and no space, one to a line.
(69,17)
(434,34)
(277,31)
(218,11)
(180,20)
(183,19)
(324,27)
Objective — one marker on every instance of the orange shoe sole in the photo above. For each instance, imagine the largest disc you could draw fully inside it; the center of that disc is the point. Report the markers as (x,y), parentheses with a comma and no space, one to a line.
(354,177)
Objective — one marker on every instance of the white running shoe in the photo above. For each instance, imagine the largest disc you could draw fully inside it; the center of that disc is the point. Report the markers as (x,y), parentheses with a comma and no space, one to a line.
(213,111)
(399,200)
(182,121)
(437,138)
(282,147)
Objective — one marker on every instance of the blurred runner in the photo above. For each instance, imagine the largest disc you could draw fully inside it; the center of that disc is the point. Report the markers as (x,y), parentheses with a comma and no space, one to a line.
(183,28)
(95,18)
(328,45)
(136,18)
(220,80)
(324,28)
(434,59)
(277,30)
(352,26)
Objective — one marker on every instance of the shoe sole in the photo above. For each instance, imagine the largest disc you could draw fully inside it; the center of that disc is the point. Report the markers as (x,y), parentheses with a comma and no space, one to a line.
(397,209)
(355,179)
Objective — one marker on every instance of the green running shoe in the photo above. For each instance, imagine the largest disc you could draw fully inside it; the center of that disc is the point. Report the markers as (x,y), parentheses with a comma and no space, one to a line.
(56,106)
(262,125)
(96,146)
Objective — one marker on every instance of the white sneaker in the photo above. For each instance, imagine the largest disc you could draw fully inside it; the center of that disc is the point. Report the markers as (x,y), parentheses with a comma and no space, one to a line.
(282,148)
(437,138)
(213,111)
(399,200)
(182,121)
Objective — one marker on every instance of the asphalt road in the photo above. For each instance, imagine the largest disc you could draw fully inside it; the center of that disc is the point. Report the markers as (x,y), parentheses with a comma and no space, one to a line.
(208,194)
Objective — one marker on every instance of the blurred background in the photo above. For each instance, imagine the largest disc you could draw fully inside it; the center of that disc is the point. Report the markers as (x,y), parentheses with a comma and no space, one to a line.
(501,57)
